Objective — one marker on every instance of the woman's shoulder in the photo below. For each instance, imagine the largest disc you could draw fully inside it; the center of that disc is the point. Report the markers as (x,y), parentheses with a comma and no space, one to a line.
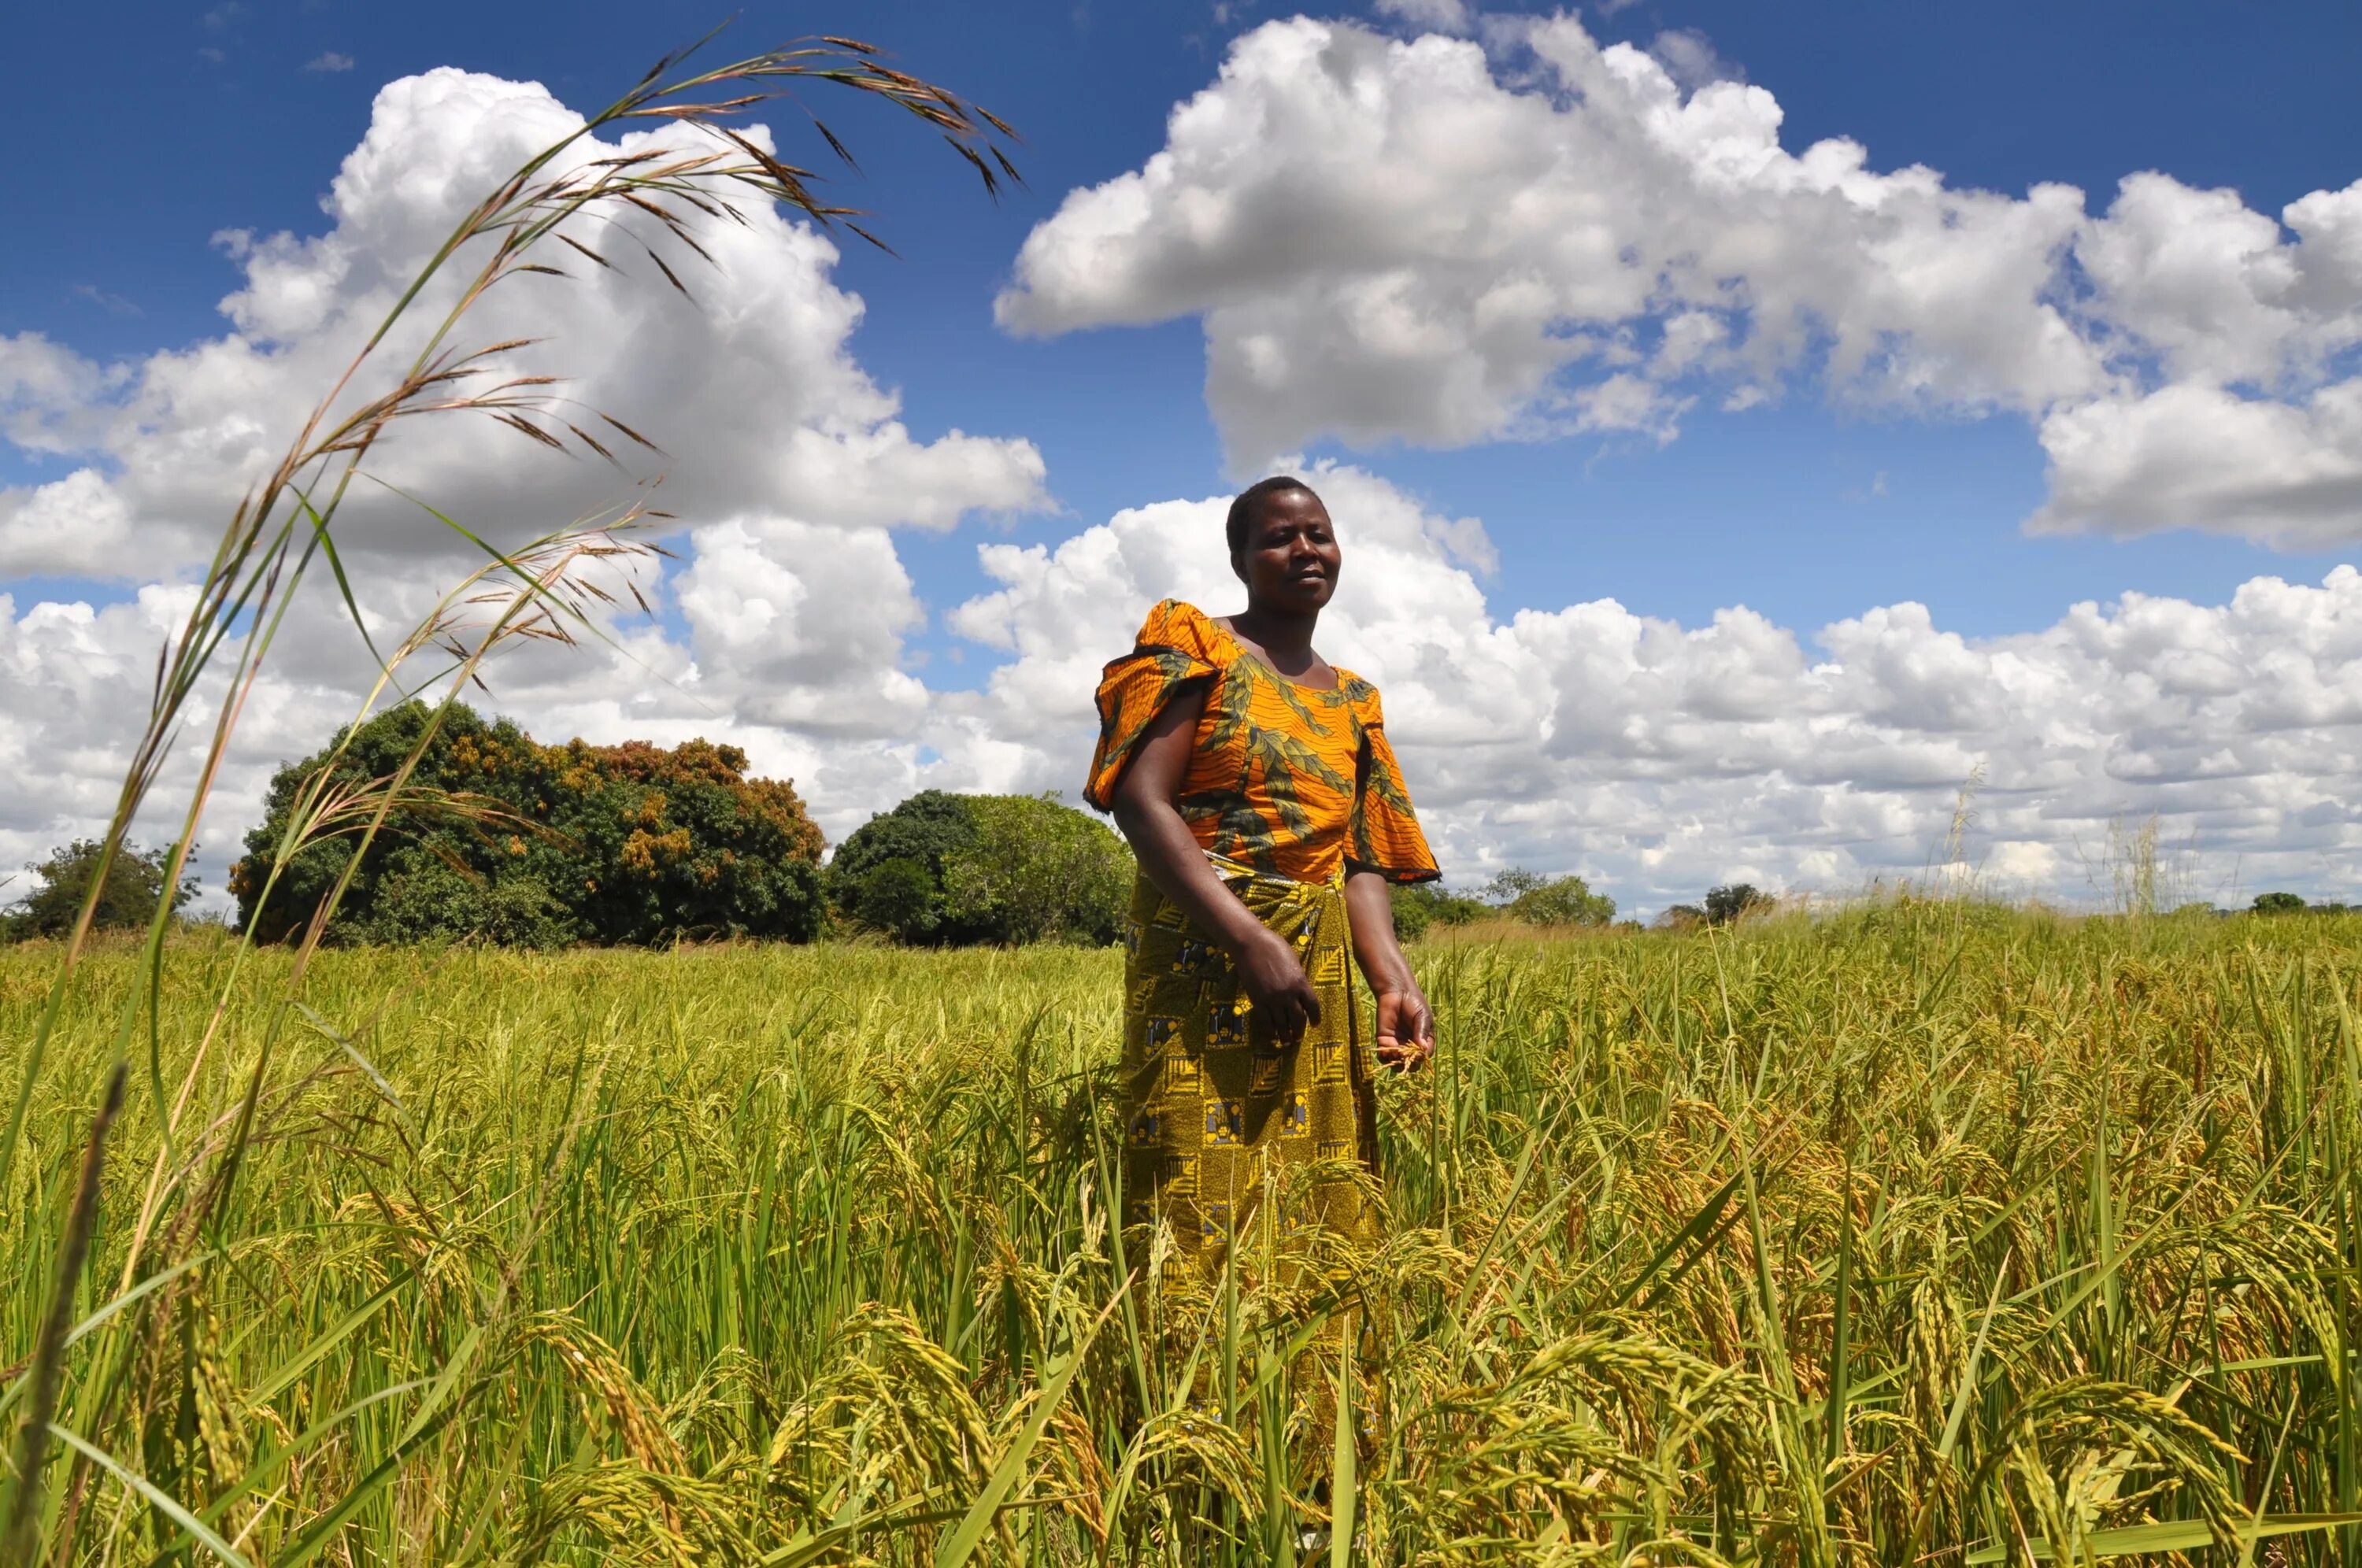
(1181,626)
(1361,694)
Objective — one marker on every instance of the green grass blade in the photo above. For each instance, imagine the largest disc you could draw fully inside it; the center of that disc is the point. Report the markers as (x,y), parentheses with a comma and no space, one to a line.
(160,1501)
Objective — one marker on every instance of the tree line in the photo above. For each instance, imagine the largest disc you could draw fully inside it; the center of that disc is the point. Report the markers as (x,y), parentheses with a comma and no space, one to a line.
(500,838)
(510,841)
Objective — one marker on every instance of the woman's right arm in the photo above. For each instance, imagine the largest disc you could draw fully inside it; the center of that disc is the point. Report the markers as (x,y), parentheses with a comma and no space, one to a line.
(1268,967)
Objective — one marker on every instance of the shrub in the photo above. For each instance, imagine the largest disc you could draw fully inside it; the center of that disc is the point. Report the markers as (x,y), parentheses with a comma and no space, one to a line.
(2278,904)
(539,845)
(943,870)
(133,882)
(1680,917)
(888,873)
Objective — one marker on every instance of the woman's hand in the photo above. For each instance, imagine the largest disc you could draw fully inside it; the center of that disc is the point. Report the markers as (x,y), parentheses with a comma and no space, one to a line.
(1405,1023)
(1273,979)
(1406,1027)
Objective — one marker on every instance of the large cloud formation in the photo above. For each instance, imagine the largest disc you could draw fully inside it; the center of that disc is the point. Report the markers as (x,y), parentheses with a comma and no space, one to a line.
(1655,757)
(761,407)
(1659,758)
(786,462)
(1441,240)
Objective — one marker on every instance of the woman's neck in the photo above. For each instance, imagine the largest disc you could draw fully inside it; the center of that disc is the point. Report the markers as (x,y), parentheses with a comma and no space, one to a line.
(1279,633)
(1283,640)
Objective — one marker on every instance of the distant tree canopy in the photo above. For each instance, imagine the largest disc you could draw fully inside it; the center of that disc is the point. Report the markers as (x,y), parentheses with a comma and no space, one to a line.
(1420,905)
(942,870)
(542,845)
(1516,894)
(1537,900)
(2294,903)
(127,898)
(1733,902)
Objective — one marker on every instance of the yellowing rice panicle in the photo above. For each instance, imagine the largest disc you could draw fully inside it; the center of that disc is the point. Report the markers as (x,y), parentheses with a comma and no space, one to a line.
(740,1254)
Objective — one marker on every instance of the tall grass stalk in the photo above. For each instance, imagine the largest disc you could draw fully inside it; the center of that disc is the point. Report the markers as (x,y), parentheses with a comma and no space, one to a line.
(416,363)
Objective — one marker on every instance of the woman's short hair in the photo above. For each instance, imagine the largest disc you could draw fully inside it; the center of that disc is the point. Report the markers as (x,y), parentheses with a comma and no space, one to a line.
(1243,509)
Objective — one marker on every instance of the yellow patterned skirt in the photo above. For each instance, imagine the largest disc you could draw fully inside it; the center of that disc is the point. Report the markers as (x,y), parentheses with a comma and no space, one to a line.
(1228,1129)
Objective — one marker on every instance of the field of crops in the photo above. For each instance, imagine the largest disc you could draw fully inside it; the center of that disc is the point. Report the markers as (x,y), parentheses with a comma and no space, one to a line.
(1920,1232)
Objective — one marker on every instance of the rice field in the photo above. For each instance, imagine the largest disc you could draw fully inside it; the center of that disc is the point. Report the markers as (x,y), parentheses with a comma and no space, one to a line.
(1920,1232)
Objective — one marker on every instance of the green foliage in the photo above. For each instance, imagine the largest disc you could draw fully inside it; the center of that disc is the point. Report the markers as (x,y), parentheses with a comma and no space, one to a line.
(127,899)
(1037,871)
(507,841)
(2278,904)
(1562,900)
(943,870)
(1537,900)
(1680,917)
(888,873)
(1734,902)
(1507,886)
(1420,905)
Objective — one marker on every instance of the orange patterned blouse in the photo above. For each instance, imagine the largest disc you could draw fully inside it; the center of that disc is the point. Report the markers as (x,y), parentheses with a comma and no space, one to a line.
(1291,780)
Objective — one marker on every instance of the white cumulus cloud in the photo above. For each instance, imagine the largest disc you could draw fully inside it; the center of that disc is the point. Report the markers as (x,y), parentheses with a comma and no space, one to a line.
(1659,758)
(749,384)
(1442,241)
(1654,756)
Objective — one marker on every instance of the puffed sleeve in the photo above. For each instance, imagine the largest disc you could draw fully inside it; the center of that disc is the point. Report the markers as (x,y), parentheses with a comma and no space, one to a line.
(1382,832)
(1176,646)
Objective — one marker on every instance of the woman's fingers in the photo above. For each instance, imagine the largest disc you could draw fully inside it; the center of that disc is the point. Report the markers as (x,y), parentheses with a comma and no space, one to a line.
(1406,1033)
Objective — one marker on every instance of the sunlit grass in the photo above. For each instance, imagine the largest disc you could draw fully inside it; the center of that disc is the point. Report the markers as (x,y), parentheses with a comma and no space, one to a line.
(746,1254)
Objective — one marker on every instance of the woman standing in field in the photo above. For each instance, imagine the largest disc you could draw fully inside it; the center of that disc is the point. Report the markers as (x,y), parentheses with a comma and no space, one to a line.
(1256,785)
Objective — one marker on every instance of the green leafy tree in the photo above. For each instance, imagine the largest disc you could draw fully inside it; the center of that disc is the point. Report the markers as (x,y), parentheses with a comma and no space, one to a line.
(948,869)
(1562,900)
(1734,902)
(1419,906)
(505,839)
(1680,917)
(1507,886)
(2278,904)
(1537,900)
(888,873)
(1037,871)
(127,898)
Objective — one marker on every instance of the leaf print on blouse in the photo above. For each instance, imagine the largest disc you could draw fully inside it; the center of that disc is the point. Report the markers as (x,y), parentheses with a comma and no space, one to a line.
(1291,780)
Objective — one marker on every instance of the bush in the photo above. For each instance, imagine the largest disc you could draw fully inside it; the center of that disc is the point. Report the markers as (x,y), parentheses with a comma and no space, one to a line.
(1680,917)
(133,882)
(2278,904)
(517,843)
(942,870)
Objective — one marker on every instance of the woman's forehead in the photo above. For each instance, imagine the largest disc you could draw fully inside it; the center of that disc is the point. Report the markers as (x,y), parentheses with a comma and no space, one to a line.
(1288,509)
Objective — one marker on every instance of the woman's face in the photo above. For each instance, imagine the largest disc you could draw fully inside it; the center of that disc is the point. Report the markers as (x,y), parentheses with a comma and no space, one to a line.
(1291,559)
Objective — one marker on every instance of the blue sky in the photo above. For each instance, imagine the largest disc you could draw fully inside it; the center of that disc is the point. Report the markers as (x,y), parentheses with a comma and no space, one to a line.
(1775,509)
(1809,509)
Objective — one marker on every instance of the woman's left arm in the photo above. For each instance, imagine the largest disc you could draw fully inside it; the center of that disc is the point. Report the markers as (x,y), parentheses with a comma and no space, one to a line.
(1405,1023)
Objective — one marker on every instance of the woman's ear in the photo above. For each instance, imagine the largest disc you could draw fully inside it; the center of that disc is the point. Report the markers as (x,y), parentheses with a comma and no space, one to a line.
(1239,565)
